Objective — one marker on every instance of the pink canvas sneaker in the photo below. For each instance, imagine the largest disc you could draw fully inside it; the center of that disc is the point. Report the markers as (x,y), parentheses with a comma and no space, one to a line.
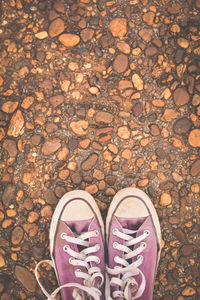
(77,248)
(134,245)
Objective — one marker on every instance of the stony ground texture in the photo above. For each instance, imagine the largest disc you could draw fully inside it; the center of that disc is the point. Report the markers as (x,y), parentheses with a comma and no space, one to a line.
(99,95)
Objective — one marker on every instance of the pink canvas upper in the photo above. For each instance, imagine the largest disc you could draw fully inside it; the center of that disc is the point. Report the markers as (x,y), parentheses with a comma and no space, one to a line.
(66,271)
(148,266)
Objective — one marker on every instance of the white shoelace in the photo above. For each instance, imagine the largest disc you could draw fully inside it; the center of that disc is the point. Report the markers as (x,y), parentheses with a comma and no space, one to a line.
(126,271)
(82,258)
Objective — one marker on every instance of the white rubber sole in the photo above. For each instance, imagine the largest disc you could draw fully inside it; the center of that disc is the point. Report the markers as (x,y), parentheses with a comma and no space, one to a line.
(146,200)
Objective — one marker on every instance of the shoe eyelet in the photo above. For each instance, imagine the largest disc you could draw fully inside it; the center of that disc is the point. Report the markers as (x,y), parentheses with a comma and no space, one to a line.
(115,258)
(98,261)
(71,260)
(97,246)
(96,233)
(114,231)
(78,270)
(65,248)
(115,244)
(147,232)
(140,257)
(63,234)
(143,244)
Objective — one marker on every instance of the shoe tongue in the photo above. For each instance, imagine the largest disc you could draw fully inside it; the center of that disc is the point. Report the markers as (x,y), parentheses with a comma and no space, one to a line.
(78,227)
(132,224)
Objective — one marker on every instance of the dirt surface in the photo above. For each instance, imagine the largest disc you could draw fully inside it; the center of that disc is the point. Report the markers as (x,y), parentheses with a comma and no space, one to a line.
(99,95)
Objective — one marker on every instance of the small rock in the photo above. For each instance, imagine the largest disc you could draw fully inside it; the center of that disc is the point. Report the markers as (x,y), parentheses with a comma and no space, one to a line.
(79,127)
(160,153)
(197,51)
(41,35)
(181,97)
(9,107)
(10,146)
(125,84)
(180,235)
(155,130)
(56,27)
(196,100)
(63,174)
(106,40)
(17,235)
(65,85)
(175,28)
(177,177)
(51,146)
(8,195)
(92,189)
(146,34)
(111,179)
(120,63)
(76,178)
(50,197)
(179,56)
(57,100)
(69,40)
(90,162)
(123,47)
(35,139)
(27,102)
(40,55)
(174,8)
(149,18)
(38,252)
(98,174)
(194,138)
(103,117)
(46,211)
(170,114)
(118,27)
(32,217)
(98,51)
(182,125)
(26,278)
(183,43)
(1,81)
(195,169)
(137,82)
(93,90)
(151,51)
(2,133)
(143,182)
(136,51)
(51,127)
(16,125)
(187,249)
(2,261)
(62,154)
(188,291)
(165,199)
(23,72)
(31,229)
(137,109)
(73,144)
(87,34)
(4,243)
(123,132)
(59,7)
